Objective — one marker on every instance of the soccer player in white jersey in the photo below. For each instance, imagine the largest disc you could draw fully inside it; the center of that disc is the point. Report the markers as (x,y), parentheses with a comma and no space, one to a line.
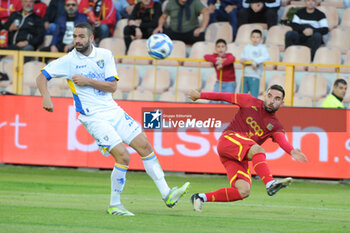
(92,78)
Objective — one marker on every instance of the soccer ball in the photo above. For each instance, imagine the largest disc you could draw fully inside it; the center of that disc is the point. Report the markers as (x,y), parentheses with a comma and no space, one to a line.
(159,46)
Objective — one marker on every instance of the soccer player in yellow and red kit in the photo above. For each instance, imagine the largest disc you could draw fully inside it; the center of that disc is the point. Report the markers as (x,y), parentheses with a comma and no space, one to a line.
(240,142)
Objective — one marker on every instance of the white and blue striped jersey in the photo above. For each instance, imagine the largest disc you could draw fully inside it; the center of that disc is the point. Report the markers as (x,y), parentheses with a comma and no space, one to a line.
(99,65)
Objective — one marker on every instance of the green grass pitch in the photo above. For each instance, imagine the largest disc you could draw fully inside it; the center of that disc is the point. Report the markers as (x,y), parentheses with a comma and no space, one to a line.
(41,199)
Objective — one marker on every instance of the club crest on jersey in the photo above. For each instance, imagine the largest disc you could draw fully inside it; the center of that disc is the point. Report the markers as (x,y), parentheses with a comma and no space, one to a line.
(101,63)
(269,126)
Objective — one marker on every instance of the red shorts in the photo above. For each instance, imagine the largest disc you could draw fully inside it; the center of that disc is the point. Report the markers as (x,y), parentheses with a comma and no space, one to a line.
(233,149)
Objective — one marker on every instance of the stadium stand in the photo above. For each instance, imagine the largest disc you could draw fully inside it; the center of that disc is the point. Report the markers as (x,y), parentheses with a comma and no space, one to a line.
(326,55)
(276,34)
(119,31)
(345,20)
(302,101)
(331,15)
(307,87)
(171,96)
(243,34)
(339,38)
(179,51)
(346,62)
(274,53)
(296,54)
(236,49)
(333,3)
(198,50)
(210,83)
(138,48)
(141,95)
(6,66)
(155,80)
(129,78)
(116,45)
(187,79)
(219,30)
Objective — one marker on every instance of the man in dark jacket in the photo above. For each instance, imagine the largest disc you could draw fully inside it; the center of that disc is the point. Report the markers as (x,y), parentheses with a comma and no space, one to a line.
(142,21)
(226,10)
(26,29)
(259,11)
(309,25)
(54,10)
(62,40)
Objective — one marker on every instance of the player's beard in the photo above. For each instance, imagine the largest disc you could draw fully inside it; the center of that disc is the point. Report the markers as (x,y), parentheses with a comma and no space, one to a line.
(84,48)
(272,109)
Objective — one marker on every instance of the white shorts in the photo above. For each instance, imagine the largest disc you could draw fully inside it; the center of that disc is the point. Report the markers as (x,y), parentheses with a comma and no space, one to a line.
(110,128)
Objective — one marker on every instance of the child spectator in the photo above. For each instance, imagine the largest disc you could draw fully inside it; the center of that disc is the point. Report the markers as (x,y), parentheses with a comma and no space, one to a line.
(257,54)
(223,64)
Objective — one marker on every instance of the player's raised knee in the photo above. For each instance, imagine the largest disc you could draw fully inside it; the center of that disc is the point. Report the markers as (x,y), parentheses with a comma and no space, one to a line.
(141,145)
(255,149)
(244,191)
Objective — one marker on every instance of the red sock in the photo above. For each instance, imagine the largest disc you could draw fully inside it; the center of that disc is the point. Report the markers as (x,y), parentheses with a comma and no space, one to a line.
(224,195)
(261,168)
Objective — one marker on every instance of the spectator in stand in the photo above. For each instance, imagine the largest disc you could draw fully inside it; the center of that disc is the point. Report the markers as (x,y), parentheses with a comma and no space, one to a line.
(143,20)
(124,9)
(335,99)
(54,10)
(256,53)
(101,14)
(226,10)
(62,40)
(259,11)
(40,8)
(223,64)
(184,24)
(7,8)
(309,25)
(26,29)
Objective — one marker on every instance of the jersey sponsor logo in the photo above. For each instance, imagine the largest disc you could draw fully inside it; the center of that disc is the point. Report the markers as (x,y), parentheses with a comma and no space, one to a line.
(152,119)
(101,63)
(258,131)
(80,67)
(269,126)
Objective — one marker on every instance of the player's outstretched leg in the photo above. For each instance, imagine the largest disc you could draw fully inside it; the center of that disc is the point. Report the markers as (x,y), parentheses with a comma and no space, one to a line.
(175,194)
(277,185)
(118,179)
(263,171)
(220,195)
(154,170)
(197,202)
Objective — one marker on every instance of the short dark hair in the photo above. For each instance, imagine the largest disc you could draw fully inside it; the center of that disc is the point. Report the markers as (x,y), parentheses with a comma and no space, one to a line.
(87,26)
(339,80)
(256,31)
(278,88)
(220,41)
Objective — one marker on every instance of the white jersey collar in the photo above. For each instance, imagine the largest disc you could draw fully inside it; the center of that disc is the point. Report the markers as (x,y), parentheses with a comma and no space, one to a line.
(82,56)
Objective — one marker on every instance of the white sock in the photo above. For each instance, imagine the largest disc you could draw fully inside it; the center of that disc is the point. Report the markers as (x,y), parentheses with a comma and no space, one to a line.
(154,170)
(270,183)
(203,196)
(117,183)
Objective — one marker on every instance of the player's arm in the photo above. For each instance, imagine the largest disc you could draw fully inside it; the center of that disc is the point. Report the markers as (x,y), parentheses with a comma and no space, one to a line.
(241,100)
(287,147)
(229,60)
(41,82)
(109,85)
(195,95)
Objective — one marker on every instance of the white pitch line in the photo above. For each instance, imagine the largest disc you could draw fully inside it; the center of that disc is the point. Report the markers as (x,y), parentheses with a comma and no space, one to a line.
(157,199)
